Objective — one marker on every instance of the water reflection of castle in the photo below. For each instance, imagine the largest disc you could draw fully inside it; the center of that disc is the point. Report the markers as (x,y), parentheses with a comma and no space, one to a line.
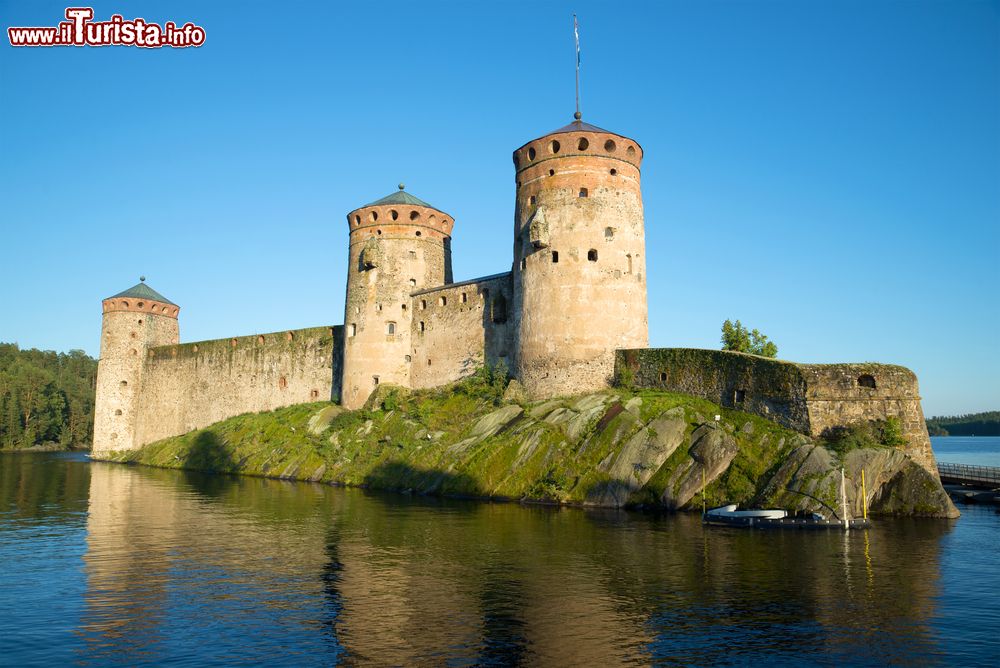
(248,569)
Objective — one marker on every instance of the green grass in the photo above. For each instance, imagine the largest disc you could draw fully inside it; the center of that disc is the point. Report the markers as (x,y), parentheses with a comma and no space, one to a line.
(419,442)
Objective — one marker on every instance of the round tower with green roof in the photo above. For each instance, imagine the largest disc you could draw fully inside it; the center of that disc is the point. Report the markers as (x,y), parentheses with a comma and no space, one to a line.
(398,245)
(134,321)
(579,271)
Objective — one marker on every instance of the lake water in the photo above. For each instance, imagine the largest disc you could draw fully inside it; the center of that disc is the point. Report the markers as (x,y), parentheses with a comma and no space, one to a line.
(108,564)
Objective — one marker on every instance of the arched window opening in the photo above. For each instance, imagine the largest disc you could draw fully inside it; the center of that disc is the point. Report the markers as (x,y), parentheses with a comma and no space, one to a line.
(531,153)
(118,412)
(609,146)
(554,146)
(260,339)
(314,394)
(353,329)
(407,358)
(592,255)
(739,396)
(630,151)
(663,377)
(609,233)
(232,342)
(374,216)
(390,328)
(867,380)
(583,144)
(422,327)
(552,172)
(423,304)
(375,381)
(393,214)
(413,282)
(531,200)
(414,215)
(282,383)
(583,192)
(442,301)
(629,258)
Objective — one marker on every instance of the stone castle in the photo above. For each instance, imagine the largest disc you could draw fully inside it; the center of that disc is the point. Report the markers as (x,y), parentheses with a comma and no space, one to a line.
(569,317)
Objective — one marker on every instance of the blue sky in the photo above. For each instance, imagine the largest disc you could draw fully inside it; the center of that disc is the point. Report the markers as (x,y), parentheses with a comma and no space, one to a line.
(828,172)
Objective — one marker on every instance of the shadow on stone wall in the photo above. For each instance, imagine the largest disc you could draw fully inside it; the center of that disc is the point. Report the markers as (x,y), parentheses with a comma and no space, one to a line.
(403,477)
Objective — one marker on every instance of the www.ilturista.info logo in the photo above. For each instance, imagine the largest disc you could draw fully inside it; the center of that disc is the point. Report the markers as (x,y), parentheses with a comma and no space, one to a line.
(80,30)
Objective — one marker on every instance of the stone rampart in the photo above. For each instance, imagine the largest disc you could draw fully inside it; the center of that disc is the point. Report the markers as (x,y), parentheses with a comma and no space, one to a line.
(810,398)
(192,385)
(459,327)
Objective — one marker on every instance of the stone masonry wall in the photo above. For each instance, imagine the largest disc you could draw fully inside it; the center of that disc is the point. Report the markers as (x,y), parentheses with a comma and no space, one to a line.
(840,394)
(810,398)
(459,327)
(765,387)
(193,385)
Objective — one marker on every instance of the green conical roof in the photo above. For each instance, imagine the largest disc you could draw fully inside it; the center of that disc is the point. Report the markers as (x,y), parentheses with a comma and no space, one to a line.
(143,291)
(402,197)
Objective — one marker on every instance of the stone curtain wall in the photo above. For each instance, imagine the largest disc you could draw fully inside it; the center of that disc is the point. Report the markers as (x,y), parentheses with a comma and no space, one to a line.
(765,387)
(810,398)
(193,385)
(459,327)
(840,394)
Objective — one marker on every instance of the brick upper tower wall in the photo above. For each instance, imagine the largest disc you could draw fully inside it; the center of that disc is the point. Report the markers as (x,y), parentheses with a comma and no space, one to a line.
(579,273)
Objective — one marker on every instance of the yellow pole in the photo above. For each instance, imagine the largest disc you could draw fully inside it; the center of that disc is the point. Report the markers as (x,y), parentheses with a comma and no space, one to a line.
(864,495)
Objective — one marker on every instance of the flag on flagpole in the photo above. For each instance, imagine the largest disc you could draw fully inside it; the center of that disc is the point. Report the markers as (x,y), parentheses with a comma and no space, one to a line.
(576,34)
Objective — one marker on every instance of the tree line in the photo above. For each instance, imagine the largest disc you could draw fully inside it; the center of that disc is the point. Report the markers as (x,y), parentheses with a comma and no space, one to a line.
(46,398)
(973,424)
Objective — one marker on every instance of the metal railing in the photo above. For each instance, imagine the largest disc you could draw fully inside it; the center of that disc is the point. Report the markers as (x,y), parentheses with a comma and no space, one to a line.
(970,474)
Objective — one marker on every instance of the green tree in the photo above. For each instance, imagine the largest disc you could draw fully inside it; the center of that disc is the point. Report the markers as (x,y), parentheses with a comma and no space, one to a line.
(45,397)
(737,337)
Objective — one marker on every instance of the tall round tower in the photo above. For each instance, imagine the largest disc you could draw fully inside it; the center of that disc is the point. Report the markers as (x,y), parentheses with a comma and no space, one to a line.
(579,258)
(134,321)
(398,244)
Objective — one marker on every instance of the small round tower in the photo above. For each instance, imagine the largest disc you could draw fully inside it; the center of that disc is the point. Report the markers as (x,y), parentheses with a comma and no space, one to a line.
(579,258)
(398,244)
(134,321)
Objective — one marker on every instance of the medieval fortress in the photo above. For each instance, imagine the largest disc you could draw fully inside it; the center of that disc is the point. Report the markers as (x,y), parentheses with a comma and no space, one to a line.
(569,315)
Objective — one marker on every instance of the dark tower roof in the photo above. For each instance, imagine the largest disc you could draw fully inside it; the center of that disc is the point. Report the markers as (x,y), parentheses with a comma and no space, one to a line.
(404,198)
(143,291)
(579,126)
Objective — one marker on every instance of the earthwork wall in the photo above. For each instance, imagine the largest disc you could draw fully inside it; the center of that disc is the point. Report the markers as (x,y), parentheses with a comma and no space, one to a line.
(810,398)
(192,385)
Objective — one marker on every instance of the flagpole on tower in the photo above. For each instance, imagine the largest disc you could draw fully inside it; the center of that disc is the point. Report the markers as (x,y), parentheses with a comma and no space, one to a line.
(576,37)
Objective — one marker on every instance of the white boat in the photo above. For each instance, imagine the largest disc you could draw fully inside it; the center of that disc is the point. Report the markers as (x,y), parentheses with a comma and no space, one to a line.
(730,512)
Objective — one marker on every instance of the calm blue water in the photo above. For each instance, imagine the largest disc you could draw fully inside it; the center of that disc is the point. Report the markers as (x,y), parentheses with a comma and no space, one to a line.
(981,450)
(107,564)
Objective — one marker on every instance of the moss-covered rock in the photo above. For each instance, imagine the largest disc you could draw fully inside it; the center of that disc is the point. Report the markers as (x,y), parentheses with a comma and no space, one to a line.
(605,449)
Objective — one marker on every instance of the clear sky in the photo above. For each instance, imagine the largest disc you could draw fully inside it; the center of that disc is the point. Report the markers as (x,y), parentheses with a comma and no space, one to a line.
(828,172)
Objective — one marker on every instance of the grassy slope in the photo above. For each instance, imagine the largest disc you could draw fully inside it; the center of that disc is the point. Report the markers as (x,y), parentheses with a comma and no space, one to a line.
(423,445)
